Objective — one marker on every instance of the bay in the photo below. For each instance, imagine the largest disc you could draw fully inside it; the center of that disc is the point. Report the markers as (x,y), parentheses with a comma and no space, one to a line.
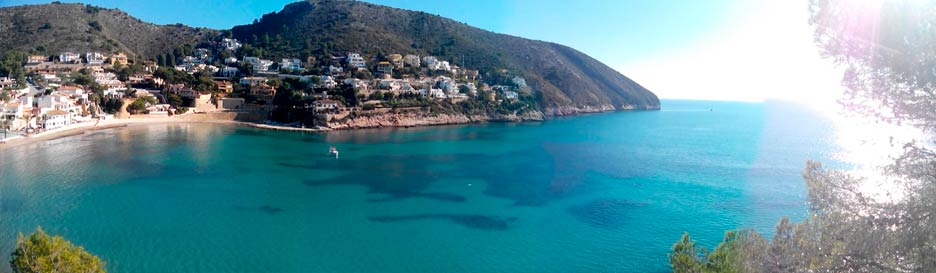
(594,193)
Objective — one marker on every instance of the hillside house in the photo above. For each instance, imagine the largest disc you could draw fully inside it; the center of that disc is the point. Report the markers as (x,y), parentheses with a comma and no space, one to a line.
(412,60)
(95,58)
(6,82)
(119,58)
(327,105)
(35,59)
(70,58)
(249,81)
(396,60)
(225,86)
(229,72)
(355,60)
(385,67)
(263,91)
(293,65)
(230,44)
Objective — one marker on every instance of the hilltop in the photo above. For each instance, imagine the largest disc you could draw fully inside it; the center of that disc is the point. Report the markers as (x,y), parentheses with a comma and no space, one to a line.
(568,80)
(53,28)
(562,80)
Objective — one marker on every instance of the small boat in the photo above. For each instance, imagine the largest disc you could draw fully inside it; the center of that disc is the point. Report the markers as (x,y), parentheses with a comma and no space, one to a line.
(333,151)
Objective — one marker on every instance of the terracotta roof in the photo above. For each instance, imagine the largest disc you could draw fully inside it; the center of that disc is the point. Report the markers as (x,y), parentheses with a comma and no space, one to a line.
(57,113)
(68,87)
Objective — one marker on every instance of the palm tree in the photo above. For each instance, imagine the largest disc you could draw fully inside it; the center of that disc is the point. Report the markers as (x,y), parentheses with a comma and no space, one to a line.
(27,117)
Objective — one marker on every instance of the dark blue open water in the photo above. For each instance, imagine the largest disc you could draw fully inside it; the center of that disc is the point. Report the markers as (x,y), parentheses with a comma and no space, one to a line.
(596,193)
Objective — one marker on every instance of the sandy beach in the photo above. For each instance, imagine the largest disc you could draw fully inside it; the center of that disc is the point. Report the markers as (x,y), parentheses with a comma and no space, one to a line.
(81,128)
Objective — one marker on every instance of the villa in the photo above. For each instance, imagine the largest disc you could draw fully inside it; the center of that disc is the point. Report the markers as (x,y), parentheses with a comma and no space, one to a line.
(355,60)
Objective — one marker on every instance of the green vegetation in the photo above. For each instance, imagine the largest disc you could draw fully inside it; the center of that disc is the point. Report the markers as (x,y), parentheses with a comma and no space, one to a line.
(57,28)
(111,105)
(40,253)
(852,230)
(11,65)
(138,106)
(372,30)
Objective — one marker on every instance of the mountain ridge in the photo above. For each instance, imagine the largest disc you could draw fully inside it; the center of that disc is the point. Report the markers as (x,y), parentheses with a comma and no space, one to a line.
(565,80)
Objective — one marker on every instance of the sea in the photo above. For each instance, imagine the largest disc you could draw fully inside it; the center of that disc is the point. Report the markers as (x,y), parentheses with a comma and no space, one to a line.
(604,192)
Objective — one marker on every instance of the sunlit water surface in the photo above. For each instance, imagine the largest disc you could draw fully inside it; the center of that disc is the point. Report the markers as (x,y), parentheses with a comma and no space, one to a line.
(596,193)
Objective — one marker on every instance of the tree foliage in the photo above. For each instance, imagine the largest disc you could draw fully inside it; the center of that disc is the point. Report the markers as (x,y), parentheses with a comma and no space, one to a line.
(888,49)
(40,252)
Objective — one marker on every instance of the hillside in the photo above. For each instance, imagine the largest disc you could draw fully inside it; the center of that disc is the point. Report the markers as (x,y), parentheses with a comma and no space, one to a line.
(568,80)
(564,80)
(54,28)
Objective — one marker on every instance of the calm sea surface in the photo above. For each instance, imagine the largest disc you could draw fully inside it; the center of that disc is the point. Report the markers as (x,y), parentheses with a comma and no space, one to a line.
(595,193)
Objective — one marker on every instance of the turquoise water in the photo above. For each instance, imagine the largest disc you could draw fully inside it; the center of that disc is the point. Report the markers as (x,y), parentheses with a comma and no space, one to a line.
(596,193)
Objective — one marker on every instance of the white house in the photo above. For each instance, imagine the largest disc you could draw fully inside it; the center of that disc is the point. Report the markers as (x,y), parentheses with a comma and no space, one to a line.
(446,84)
(56,119)
(327,82)
(7,82)
(229,72)
(430,61)
(230,44)
(390,84)
(248,81)
(95,58)
(327,105)
(251,60)
(358,84)
(294,65)
(71,91)
(355,60)
(332,70)
(230,60)
(433,93)
(511,95)
(70,57)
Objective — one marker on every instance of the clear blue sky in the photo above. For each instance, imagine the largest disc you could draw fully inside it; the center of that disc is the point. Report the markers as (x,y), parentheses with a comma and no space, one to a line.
(610,30)
(701,43)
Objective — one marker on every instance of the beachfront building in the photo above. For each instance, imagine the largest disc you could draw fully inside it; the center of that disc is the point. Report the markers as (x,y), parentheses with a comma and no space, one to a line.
(56,119)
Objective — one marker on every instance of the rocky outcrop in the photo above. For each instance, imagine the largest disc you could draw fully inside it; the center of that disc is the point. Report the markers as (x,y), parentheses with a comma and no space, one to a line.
(414,119)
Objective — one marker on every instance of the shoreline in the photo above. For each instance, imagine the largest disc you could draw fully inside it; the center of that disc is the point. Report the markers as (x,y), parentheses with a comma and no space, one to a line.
(86,127)
(93,126)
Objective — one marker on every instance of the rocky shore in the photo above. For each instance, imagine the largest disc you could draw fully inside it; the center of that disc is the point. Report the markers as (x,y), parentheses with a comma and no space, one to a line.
(414,119)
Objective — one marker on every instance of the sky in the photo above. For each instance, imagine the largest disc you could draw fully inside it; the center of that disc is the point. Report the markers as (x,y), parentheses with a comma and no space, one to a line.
(741,50)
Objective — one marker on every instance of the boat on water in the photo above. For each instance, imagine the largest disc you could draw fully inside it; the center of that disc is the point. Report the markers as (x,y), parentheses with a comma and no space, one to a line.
(333,151)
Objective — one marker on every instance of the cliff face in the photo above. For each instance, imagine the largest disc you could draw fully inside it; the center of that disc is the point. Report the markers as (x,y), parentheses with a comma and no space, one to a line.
(568,81)
(413,119)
